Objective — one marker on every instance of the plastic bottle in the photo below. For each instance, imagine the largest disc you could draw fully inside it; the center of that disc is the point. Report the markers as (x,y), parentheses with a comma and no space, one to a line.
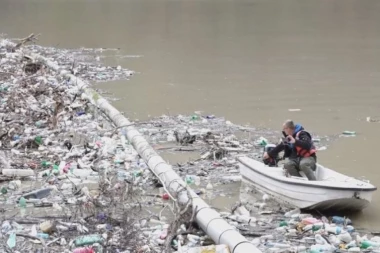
(14,185)
(137,173)
(292,212)
(40,124)
(341,220)
(333,230)
(189,180)
(18,172)
(351,244)
(81,113)
(366,244)
(84,250)
(245,219)
(281,245)
(281,230)
(33,231)
(298,249)
(83,173)
(316,227)
(88,239)
(22,202)
(322,248)
(283,224)
(292,232)
(45,164)
(333,239)
(55,170)
(345,237)
(320,240)
(262,141)
(349,133)
(122,175)
(38,140)
(43,235)
(73,167)
(4,190)
(11,242)
(193,237)
(350,229)
(194,117)
(197,180)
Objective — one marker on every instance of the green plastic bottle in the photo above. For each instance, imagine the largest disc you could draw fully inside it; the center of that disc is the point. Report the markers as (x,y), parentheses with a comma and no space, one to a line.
(11,242)
(137,173)
(38,124)
(4,190)
(189,180)
(22,205)
(22,202)
(45,164)
(194,117)
(316,227)
(283,224)
(55,170)
(38,140)
(366,244)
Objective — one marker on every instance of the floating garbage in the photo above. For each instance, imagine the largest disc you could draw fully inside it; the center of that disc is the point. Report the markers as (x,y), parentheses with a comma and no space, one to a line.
(208,249)
(261,141)
(77,183)
(349,133)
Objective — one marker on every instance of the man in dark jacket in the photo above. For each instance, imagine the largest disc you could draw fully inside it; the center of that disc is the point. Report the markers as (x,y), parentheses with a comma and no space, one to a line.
(299,148)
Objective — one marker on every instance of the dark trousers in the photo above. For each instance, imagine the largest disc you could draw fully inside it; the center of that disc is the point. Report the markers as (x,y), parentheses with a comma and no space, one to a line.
(305,164)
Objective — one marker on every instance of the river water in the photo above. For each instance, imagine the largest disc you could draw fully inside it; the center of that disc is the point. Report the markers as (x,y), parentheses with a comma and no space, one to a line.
(247,60)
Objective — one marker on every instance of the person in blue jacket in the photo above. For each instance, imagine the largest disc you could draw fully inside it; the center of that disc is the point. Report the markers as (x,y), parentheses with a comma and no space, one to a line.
(299,148)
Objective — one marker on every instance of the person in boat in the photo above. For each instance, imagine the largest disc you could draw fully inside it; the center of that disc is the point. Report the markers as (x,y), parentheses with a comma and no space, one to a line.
(299,148)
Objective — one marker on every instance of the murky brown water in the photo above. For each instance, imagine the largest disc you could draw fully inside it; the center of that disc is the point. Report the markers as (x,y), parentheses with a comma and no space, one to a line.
(247,60)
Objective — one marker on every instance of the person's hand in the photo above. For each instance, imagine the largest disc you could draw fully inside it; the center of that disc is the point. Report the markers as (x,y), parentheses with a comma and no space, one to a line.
(290,139)
(265,156)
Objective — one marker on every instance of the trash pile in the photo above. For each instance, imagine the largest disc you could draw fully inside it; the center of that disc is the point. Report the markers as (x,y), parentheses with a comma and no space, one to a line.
(71,182)
(298,232)
(293,231)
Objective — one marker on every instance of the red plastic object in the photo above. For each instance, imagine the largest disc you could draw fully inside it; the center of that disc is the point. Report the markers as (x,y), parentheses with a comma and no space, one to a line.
(84,250)
(165,196)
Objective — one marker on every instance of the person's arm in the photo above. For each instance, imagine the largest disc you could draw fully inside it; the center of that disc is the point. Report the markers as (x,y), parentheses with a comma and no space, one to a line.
(274,152)
(304,141)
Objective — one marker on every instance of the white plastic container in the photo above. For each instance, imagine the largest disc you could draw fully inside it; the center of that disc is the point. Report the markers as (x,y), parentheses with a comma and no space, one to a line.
(18,172)
(211,249)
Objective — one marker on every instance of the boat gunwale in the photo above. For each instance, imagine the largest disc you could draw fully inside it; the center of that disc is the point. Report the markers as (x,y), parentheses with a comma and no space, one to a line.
(373,188)
(313,206)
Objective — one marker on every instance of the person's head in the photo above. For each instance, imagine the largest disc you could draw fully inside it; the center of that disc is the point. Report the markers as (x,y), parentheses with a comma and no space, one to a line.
(288,127)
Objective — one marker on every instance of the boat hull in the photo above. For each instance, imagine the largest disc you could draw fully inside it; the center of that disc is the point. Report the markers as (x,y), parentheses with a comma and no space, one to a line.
(304,196)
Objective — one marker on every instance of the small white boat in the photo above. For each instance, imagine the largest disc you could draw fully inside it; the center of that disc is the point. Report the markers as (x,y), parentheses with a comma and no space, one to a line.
(332,190)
